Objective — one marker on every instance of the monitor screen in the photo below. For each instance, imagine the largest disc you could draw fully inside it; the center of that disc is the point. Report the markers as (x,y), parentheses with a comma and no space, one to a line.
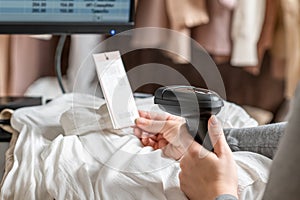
(65,16)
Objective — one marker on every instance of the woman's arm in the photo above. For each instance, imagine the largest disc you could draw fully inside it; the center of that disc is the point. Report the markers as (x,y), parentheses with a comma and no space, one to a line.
(262,139)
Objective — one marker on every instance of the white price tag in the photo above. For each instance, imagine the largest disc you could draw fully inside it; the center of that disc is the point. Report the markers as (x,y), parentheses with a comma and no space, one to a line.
(116,89)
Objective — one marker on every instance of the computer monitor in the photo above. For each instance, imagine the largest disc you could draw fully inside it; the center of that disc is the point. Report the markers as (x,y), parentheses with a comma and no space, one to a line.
(65,16)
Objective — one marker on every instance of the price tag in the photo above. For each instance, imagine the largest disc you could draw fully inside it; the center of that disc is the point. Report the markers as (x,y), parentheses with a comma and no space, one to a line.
(116,89)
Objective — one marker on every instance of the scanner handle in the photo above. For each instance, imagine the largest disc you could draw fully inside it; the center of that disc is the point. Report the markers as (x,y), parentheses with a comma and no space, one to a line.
(201,136)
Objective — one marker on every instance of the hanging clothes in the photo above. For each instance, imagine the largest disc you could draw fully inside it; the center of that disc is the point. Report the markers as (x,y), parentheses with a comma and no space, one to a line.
(266,37)
(291,18)
(177,15)
(150,14)
(214,37)
(278,60)
(247,22)
(182,17)
(184,14)
(286,48)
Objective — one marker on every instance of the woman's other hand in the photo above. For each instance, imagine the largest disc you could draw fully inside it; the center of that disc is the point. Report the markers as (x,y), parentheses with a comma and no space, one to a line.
(163,131)
(205,174)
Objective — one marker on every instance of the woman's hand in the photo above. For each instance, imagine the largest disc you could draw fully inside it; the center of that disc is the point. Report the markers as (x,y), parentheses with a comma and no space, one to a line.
(163,131)
(206,175)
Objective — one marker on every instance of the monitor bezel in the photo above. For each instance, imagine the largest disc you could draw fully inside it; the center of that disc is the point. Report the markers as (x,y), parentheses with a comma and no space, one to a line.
(57,28)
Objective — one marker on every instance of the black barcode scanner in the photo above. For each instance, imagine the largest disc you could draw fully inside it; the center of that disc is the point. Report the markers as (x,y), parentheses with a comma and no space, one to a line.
(196,105)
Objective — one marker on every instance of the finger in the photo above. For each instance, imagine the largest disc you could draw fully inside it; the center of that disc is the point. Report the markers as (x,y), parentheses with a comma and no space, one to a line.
(147,135)
(154,115)
(162,143)
(155,146)
(153,137)
(150,126)
(152,143)
(145,141)
(177,134)
(217,137)
(144,114)
(159,136)
(137,132)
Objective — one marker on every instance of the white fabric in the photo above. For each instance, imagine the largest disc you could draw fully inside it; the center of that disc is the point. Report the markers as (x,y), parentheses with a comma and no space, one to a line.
(234,116)
(253,172)
(37,88)
(65,152)
(247,22)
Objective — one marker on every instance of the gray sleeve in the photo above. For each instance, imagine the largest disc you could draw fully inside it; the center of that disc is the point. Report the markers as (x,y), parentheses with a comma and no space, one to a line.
(226,197)
(262,139)
(284,181)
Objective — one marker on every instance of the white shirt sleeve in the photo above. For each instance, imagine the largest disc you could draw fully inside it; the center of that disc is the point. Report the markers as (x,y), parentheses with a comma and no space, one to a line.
(248,18)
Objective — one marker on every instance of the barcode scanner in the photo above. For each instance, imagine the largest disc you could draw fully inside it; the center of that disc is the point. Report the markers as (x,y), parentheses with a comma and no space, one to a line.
(196,105)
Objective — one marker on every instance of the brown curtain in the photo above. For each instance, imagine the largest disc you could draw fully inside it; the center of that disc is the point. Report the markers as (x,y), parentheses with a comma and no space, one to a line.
(30,58)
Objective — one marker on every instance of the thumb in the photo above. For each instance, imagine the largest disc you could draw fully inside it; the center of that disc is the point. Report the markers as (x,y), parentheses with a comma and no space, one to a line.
(217,137)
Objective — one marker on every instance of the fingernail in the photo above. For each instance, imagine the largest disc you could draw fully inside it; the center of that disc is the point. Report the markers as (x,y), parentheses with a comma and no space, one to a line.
(213,119)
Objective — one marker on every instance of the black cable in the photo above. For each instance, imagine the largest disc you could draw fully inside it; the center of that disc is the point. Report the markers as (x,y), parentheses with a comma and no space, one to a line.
(58,53)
